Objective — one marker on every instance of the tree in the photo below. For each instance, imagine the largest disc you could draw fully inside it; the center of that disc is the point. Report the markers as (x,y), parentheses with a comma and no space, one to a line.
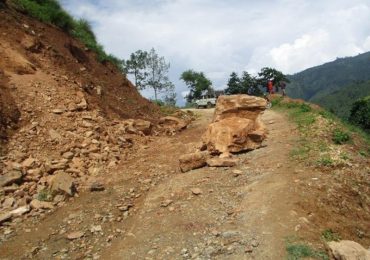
(271,74)
(234,85)
(360,113)
(170,96)
(249,85)
(197,82)
(157,73)
(137,65)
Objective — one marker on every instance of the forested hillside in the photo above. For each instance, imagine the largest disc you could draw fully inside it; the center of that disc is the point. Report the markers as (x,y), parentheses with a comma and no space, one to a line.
(340,101)
(323,84)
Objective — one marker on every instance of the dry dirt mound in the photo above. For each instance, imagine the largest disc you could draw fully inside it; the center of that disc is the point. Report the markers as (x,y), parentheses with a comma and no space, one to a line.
(73,115)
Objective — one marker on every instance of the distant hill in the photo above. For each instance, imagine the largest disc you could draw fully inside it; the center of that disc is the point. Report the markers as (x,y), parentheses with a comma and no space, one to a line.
(340,101)
(324,84)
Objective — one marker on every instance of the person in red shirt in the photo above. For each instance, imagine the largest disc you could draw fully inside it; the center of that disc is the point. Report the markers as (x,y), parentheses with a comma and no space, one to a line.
(270,87)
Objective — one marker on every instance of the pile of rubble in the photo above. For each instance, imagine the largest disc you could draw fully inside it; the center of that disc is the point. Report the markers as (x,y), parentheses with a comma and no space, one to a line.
(79,154)
(236,127)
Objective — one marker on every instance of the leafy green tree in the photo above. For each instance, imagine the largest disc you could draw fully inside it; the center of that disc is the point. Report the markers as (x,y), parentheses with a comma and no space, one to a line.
(234,85)
(197,82)
(137,65)
(271,74)
(250,85)
(360,113)
(157,73)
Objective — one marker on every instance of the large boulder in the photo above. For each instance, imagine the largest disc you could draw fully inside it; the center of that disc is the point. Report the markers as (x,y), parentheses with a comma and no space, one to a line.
(347,250)
(244,106)
(236,125)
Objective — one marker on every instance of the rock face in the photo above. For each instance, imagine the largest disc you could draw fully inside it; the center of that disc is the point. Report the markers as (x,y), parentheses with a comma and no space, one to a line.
(236,125)
(348,250)
(193,161)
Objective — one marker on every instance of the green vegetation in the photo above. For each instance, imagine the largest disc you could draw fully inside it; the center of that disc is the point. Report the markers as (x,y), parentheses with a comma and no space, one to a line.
(247,84)
(51,12)
(334,85)
(320,134)
(325,161)
(251,85)
(329,235)
(314,83)
(341,101)
(340,137)
(197,82)
(297,249)
(44,195)
(360,113)
(300,251)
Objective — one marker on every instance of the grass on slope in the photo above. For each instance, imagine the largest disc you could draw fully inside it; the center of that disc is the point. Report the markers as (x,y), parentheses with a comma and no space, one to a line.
(325,140)
(51,12)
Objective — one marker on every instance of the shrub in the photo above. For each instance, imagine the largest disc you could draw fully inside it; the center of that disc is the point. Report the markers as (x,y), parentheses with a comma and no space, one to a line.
(340,137)
(329,235)
(360,113)
(300,251)
(305,108)
(44,195)
(325,161)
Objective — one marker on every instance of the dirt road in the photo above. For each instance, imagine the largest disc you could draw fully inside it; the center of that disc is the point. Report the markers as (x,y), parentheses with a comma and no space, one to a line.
(149,209)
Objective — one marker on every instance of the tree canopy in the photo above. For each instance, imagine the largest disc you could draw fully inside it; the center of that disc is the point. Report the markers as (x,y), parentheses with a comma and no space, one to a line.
(136,65)
(271,74)
(150,71)
(197,82)
(247,84)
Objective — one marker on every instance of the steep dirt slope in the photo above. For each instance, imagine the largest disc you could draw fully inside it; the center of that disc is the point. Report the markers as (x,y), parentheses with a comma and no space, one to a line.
(41,52)
(60,111)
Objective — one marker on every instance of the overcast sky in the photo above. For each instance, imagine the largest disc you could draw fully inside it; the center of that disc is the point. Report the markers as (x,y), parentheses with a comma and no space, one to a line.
(219,36)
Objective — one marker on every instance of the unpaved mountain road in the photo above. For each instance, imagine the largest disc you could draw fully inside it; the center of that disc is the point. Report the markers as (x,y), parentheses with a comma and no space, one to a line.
(149,209)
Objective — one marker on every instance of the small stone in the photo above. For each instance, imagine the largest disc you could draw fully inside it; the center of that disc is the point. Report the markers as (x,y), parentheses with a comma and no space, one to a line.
(196,191)
(97,228)
(75,235)
(57,111)
(96,186)
(36,204)
(248,249)
(20,211)
(68,155)
(10,178)
(255,243)
(28,163)
(5,217)
(166,203)
(8,202)
(62,183)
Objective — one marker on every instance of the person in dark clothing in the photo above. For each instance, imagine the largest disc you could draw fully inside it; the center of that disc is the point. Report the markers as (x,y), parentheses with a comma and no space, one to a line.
(283,86)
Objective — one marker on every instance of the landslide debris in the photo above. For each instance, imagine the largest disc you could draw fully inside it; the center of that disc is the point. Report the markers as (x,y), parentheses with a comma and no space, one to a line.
(66,120)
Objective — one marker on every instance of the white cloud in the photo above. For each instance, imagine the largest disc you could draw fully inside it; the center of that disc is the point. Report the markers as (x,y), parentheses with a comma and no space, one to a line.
(219,36)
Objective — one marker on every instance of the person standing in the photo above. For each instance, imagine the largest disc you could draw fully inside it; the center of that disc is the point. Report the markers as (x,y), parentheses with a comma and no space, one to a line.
(270,87)
(283,86)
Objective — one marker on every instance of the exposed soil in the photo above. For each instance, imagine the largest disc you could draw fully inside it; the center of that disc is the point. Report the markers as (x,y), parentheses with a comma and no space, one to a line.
(68,110)
(250,207)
